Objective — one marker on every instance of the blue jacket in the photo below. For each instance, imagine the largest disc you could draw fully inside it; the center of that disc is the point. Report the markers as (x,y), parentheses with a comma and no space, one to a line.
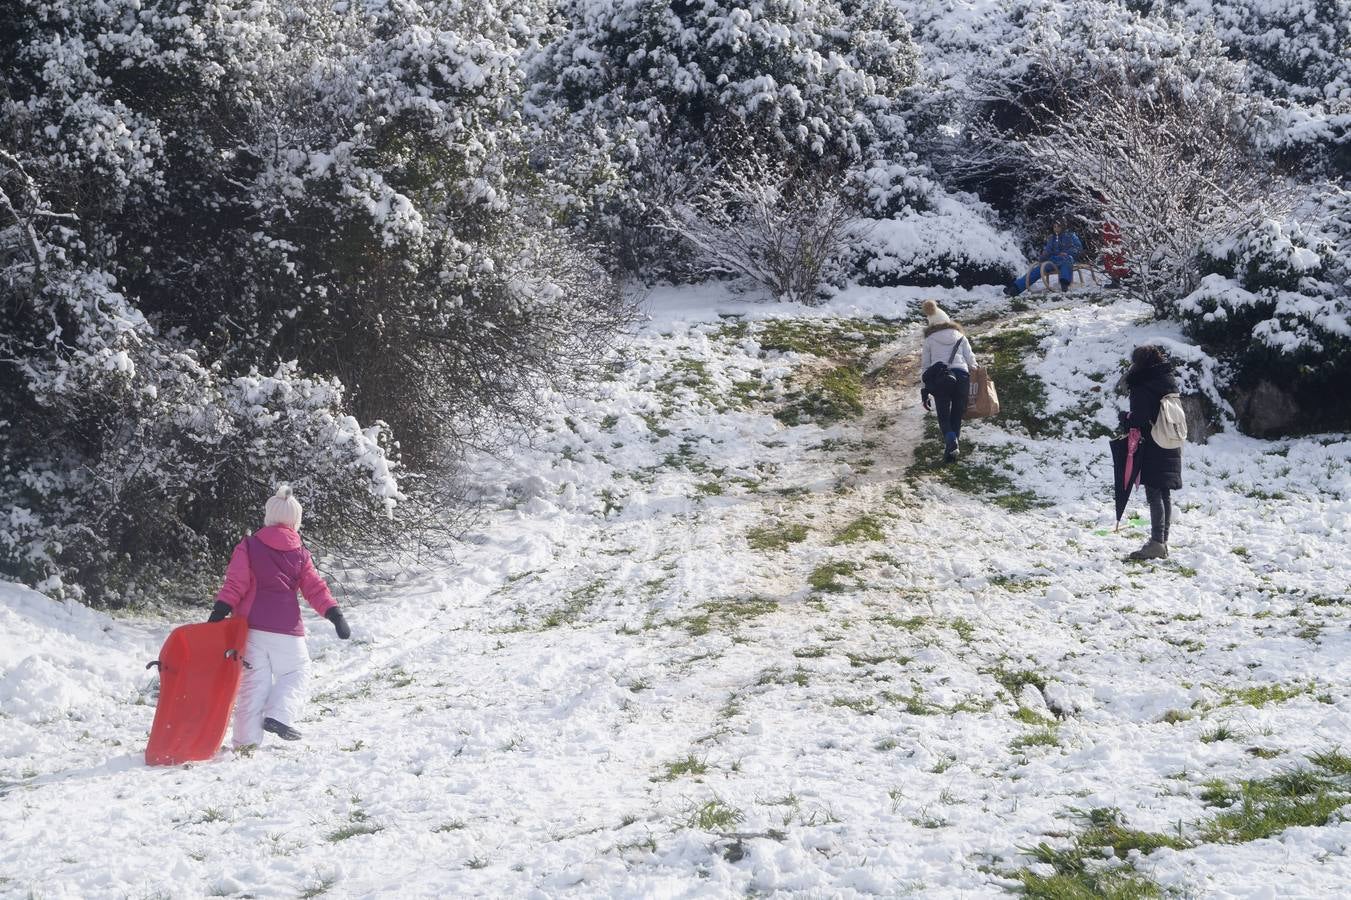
(1066,243)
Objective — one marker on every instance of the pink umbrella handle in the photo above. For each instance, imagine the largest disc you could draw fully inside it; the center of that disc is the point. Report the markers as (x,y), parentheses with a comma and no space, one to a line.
(1132,442)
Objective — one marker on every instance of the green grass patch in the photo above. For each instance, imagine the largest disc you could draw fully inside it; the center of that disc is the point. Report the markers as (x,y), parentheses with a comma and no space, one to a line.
(979,472)
(689,376)
(726,615)
(653,422)
(776,537)
(353,829)
(1263,694)
(747,392)
(1016,584)
(681,767)
(1013,680)
(853,339)
(1042,737)
(1022,397)
(1333,761)
(734,331)
(714,815)
(861,530)
(826,398)
(965,630)
(1083,871)
(905,623)
(574,604)
(1032,717)
(687,457)
(864,706)
(912,703)
(1262,807)
(827,577)
(798,676)
(1221,732)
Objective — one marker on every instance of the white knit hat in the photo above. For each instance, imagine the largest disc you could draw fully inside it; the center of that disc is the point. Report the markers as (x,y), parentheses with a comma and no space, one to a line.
(935,315)
(283,509)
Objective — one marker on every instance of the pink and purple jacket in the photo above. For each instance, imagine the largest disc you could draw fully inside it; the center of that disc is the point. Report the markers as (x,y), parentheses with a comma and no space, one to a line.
(264,574)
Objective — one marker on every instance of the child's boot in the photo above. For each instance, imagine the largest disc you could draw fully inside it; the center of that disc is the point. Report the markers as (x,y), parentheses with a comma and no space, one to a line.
(285,732)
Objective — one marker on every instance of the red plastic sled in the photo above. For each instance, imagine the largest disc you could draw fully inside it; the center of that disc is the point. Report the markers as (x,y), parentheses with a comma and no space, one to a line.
(199,670)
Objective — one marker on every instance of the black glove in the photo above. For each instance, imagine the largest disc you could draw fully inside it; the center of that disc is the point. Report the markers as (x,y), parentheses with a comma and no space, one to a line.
(334,615)
(924,398)
(220,611)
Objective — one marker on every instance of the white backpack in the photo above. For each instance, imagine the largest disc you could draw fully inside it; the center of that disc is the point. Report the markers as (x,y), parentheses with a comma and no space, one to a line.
(1170,428)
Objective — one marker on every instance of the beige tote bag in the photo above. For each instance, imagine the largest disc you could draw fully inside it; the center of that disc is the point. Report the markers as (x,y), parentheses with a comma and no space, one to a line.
(983,400)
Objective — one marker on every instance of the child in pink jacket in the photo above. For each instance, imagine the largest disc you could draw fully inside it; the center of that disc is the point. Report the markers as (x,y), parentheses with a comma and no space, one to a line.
(261,581)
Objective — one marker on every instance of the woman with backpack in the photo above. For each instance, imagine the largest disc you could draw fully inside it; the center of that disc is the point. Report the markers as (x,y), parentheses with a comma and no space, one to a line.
(1149,380)
(946,362)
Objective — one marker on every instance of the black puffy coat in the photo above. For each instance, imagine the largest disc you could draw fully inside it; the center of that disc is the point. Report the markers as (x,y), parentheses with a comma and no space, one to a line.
(1159,468)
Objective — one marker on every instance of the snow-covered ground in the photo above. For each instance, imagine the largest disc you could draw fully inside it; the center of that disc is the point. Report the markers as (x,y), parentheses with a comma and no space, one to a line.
(694,650)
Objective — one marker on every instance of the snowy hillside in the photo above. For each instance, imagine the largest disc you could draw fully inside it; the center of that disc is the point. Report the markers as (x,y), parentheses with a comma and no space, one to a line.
(729,629)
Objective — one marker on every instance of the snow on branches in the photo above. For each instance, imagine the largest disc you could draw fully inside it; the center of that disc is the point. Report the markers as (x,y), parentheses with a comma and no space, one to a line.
(779,228)
(237,241)
(643,98)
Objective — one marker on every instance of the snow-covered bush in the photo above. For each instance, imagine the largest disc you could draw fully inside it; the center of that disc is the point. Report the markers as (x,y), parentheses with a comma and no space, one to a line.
(783,230)
(1298,53)
(1290,53)
(229,235)
(1275,301)
(947,240)
(1148,129)
(646,101)
(125,462)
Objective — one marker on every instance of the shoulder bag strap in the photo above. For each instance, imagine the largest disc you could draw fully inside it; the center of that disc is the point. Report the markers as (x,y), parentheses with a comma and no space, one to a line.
(955,347)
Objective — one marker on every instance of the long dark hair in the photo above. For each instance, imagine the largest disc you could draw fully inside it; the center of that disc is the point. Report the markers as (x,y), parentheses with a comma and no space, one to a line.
(1147,356)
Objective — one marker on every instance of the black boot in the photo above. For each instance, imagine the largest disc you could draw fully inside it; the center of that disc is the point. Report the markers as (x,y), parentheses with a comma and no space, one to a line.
(285,732)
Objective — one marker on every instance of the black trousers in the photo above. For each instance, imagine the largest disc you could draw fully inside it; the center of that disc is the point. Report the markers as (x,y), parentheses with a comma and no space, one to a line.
(1160,512)
(951,407)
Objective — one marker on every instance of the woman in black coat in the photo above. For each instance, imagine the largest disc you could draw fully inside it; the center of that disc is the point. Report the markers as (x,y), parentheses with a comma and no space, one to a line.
(1151,377)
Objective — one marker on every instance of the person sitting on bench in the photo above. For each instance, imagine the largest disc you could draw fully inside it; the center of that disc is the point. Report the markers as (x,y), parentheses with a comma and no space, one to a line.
(1061,250)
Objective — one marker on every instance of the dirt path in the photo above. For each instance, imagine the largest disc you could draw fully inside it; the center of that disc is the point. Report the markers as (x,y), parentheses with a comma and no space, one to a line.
(892,408)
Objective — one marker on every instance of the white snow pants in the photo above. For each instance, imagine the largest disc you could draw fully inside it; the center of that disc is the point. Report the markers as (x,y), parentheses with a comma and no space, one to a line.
(276,673)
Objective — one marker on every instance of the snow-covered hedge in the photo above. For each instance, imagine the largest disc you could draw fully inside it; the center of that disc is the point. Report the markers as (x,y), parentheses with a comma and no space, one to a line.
(949,241)
(124,459)
(1276,301)
(236,240)
(1298,53)
(645,101)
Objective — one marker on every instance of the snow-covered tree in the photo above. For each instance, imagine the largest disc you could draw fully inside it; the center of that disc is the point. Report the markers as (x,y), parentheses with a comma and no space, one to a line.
(783,230)
(232,233)
(648,100)
(1297,53)
(1172,164)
